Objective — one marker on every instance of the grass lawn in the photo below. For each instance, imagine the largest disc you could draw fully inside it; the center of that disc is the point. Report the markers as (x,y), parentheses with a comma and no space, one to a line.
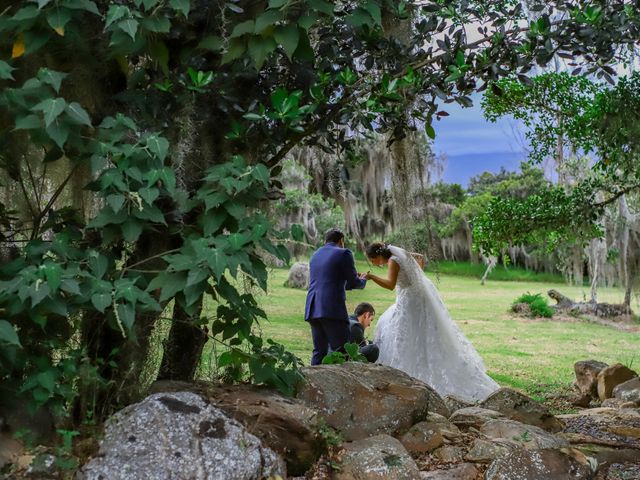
(536,356)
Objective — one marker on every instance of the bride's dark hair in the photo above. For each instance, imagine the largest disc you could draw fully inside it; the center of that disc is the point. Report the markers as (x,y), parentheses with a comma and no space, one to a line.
(378,249)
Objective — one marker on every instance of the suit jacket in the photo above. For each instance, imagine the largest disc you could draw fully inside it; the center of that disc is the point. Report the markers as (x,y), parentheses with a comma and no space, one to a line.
(332,270)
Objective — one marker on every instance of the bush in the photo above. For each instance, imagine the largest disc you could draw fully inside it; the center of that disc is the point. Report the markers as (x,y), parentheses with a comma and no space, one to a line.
(537,304)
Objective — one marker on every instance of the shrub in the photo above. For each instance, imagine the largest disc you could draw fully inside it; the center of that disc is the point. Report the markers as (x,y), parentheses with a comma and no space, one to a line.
(537,304)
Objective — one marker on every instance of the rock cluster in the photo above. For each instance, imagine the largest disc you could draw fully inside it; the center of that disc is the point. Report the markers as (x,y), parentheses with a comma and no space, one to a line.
(365,421)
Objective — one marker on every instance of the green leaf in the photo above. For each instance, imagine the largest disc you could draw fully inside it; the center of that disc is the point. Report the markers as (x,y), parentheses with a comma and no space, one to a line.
(116,201)
(242,29)
(322,6)
(196,276)
(235,50)
(237,241)
(127,315)
(131,230)
(70,285)
(217,261)
(277,3)
(58,132)
(160,53)
(101,301)
(259,48)
(431,133)
(78,114)
(211,42)
(182,6)
(174,283)
(98,263)
(53,274)
(159,146)
(266,20)
(115,13)
(129,26)
(288,37)
(42,3)
(374,11)
(47,379)
(27,13)
(149,4)
(28,122)
(155,24)
(308,20)
(149,194)
(38,292)
(261,173)
(51,108)
(51,77)
(58,17)
(8,334)
(212,221)
(297,232)
(87,5)
(5,71)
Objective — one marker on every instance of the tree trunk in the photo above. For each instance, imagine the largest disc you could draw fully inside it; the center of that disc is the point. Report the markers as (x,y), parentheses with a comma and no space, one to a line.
(183,347)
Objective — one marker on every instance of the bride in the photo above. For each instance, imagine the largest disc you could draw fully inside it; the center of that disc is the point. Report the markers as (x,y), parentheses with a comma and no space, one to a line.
(417,335)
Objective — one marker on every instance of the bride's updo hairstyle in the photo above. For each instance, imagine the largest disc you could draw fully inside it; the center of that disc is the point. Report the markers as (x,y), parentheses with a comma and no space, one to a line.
(378,249)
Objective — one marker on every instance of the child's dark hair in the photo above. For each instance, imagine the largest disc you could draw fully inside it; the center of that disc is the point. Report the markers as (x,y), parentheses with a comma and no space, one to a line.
(378,249)
(363,307)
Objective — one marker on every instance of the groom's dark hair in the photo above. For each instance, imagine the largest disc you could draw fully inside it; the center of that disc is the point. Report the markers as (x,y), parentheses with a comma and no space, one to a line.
(364,307)
(333,235)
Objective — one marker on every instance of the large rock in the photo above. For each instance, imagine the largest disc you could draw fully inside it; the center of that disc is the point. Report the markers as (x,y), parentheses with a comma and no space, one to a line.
(604,426)
(540,465)
(284,424)
(463,471)
(529,437)
(485,451)
(363,399)
(518,406)
(628,391)
(299,276)
(612,376)
(455,403)
(430,434)
(380,457)
(179,435)
(587,377)
(473,417)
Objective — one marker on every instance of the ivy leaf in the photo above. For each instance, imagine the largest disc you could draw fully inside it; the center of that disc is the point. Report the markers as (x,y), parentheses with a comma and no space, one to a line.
(78,114)
(115,13)
(116,201)
(43,3)
(8,334)
(86,5)
(101,301)
(173,284)
(53,273)
(211,42)
(58,132)
(158,146)
(58,17)
(242,29)
(38,293)
(182,6)
(28,122)
(51,108)
(129,26)
(98,263)
(149,194)
(235,49)
(266,20)
(156,24)
(27,13)
(5,71)
(51,77)
(277,3)
(127,315)
(260,48)
(131,230)
(288,37)
(322,6)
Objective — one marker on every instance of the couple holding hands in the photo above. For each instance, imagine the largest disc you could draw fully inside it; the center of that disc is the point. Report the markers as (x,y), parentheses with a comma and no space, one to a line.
(415,335)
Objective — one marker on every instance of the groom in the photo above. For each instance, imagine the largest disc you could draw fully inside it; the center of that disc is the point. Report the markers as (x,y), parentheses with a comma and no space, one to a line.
(331,272)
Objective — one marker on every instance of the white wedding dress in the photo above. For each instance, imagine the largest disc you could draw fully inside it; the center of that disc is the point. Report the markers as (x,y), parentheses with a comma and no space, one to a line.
(418,336)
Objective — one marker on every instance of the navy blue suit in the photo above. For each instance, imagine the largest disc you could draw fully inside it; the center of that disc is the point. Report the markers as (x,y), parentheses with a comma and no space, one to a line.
(332,270)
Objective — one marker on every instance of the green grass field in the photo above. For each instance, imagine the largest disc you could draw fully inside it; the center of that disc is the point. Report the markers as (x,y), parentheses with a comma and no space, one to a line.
(536,356)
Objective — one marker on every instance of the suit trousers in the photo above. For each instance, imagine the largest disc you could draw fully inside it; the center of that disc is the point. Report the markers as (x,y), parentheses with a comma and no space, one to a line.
(328,332)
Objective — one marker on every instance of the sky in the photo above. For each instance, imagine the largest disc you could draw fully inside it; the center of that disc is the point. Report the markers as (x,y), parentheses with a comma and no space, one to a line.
(473,145)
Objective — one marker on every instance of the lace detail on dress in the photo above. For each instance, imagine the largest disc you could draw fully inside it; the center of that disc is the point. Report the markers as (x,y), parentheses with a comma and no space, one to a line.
(417,335)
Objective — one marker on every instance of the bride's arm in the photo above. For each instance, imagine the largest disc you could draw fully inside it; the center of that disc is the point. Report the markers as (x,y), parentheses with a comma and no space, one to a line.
(390,282)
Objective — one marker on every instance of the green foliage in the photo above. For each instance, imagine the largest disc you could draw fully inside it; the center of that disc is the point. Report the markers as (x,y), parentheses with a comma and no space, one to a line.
(537,303)
(511,273)
(352,354)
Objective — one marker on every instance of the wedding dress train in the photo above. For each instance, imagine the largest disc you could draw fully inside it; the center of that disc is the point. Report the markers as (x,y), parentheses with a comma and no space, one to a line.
(418,336)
